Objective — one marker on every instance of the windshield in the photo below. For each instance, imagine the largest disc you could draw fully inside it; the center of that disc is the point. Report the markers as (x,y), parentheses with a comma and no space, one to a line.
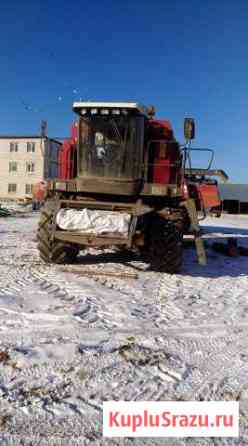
(111,146)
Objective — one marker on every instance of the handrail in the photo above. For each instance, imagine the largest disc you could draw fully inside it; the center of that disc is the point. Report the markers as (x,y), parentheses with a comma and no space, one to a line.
(200,149)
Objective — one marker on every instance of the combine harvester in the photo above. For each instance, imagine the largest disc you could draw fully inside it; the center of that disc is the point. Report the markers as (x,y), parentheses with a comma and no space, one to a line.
(125,181)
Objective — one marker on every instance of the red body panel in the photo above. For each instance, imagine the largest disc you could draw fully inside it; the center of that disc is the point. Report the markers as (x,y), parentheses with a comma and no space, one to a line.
(66,155)
(209,195)
(162,171)
(161,129)
(205,194)
(164,156)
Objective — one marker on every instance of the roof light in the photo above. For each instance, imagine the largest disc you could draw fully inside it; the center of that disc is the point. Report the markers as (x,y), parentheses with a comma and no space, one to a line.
(104,111)
(115,111)
(124,112)
(83,111)
(93,111)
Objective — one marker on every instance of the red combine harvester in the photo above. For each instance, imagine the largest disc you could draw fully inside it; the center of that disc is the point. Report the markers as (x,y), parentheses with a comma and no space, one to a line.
(125,181)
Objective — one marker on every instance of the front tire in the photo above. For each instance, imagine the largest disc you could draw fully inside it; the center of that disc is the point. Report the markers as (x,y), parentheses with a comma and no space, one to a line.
(165,246)
(52,250)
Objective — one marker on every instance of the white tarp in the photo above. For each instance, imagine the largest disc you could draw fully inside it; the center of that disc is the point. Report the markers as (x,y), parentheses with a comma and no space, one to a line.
(93,222)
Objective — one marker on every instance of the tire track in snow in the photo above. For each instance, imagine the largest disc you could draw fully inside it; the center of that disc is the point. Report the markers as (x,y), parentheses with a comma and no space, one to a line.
(171,319)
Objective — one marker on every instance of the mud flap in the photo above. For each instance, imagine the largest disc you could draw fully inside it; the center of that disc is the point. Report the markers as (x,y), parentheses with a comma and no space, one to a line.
(200,249)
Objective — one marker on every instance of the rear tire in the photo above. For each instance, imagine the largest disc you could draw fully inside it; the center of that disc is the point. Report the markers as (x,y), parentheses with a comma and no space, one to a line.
(165,246)
(183,223)
(52,250)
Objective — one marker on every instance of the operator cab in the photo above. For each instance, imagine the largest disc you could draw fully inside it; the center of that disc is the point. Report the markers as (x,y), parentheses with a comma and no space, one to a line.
(110,146)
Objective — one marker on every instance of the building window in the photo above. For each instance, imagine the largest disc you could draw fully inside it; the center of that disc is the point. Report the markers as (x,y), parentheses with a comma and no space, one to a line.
(12,166)
(13,146)
(28,189)
(30,167)
(31,147)
(12,187)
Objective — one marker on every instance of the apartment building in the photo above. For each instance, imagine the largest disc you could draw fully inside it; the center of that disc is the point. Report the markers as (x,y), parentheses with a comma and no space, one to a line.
(25,160)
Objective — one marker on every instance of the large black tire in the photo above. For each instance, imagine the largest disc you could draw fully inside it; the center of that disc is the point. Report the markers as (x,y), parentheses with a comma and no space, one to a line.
(165,246)
(183,222)
(53,251)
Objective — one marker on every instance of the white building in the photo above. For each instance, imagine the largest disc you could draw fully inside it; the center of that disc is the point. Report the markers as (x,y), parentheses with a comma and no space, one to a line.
(24,161)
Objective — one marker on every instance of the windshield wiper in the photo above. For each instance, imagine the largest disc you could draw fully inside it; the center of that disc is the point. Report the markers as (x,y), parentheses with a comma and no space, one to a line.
(116,130)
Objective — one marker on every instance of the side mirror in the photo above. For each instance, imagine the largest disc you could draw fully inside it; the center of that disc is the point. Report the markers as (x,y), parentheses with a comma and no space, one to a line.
(189,128)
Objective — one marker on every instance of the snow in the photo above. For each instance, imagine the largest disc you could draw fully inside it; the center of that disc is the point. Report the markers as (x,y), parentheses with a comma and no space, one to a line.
(72,341)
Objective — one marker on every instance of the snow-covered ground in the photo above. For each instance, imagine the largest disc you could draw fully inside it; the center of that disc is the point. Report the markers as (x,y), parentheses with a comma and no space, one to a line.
(68,342)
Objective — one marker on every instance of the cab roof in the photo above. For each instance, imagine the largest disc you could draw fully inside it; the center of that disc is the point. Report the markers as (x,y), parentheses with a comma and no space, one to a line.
(131,106)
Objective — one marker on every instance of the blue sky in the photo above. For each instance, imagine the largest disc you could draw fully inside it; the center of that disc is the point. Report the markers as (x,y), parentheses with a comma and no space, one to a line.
(188,58)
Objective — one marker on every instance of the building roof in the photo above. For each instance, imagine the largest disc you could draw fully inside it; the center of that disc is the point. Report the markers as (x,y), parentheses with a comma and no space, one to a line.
(29,137)
(54,140)
(237,192)
(19,136)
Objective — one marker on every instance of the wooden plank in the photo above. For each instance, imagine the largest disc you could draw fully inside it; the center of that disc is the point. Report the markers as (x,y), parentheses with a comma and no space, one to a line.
(90,272)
